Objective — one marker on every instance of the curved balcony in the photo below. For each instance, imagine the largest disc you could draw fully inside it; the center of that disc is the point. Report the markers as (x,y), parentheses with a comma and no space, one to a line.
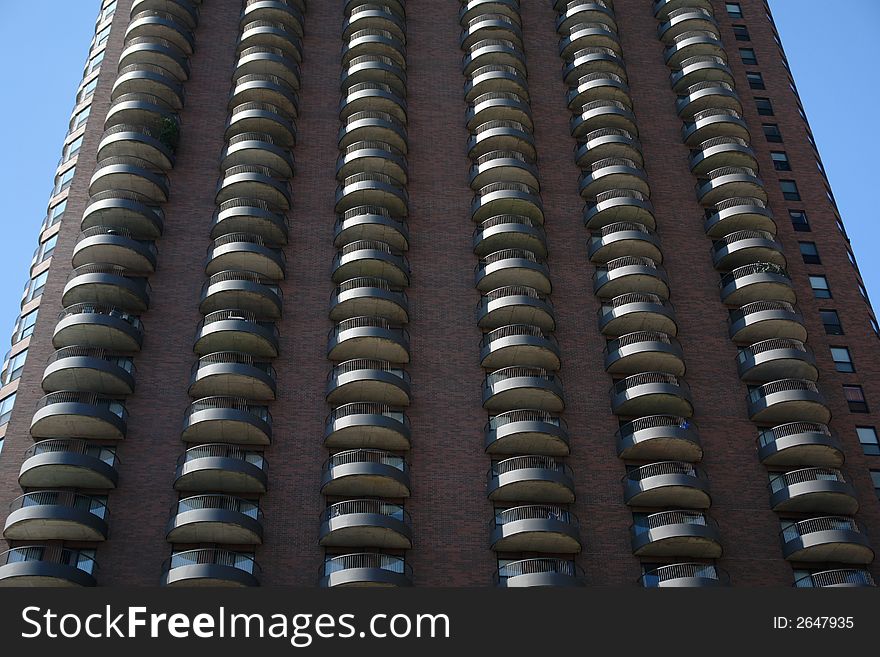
(245,290)
(686,19)
(263,118)
(56,515)
(227,419)
(210,567)
(369,297)
(236,330)
(503,166)
(722,152)
(368,337)
(126,211)
(526,431)
(743,247)
(185,11)
(143,111)
(763,320)
(799,444)
(265,90)
(788,400)
(492,107)
(364,380)
(512,267)
(651,393)
(663,8)
(271,34)
(628,313)
(685,575)
(154,51)
(758,281)
(79,415)
(232,374)
(644,351)
(493,52)
(367,425)
(572,13)
(372,157)
(502,135)
(250,215)
(490,26)
(693,43)
(707,95)
(372,259)
(730,182)
(523,387)
(223,468)
(287,12)
(710,123)
(519,345)
(776,358)
(613,173)
(215,519)
(629,274)
(599,87)
(735,214)
(372,189)
(374,16)
(608,143)
(247,252)
(659,437)
(507,198)
(619,205)
(114,246)
(667,483)
(101,327)
(266,60)
(131,174)
(539,479)
(143,143)
(86,369)
(499,78)
(592,60)
(257,149)
(812,490)
(515,304)
(66,463)
(598,114)
(366,569)
(588,35)
(624,239)
(836,539)
(45,566)
(471,9)
(248,180)
(535,528)
(373,97)
(370,223)
(147,79)
(369,523)
(676,534)
(365,472)
(373,126)
(838,578)
(160,25)
(543,571)
(509,231)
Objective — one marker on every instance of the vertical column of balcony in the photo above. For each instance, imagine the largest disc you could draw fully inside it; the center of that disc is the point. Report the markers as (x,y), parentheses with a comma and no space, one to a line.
(71,469)
(794,442)
(217,523)
(365,530)
(532,531)
(658,441)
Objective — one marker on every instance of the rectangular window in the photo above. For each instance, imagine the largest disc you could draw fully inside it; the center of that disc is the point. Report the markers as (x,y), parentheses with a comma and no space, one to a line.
(820,287)
(875,478)
(842,359)
(108,11)
(748,56)
(855,399)
(741,32)
(102,36)
(80,118)
(831,322)
(46,249)
(810,253)
(875,326)
(863,290)
(94,63)
(6,405)
(869,441)
(64,180)
(799,221)
(790,190)
(765,107)
(87,90)
(733,9)
(35,286)
(72,148)
(780,161)
(13,367)
(771,132)
(756,80)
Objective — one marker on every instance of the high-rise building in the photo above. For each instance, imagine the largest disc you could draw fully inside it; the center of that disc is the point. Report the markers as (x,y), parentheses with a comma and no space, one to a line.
(311,279)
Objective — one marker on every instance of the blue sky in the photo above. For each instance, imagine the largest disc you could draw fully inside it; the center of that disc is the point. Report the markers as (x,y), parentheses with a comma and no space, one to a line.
(45,83)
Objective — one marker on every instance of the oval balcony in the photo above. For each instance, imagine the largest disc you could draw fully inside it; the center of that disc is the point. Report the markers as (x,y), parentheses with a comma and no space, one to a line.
(519,345)
(776,358)
(629,274)
(471,9)
(372,97)
(499,107)
(613,173)
(114,246)
(365,523)
(248,180)
(507,198)
(799,444)
(288,12)
(836,539)
(735,214)
(515,304)
(729,182)
(245,251)
(490,26)
(373,259)
(743,247)
(265,60)
(141,110)
(367,425)
(619,205)
(644,351)
(46,566)
(599,114)
(526,431)
(503,166)
(368,337)
(758,281)
(148,79)
(258,149)
(579,11)
(56,515)
(838,578)
(369,297)
(372,189)
(686,19)
(264,89)
(509,231)
(368,569)
(667,483)
(250,215)
(812,490)
(127,211)
(632,312)
(532,478)
(788,400)
(210,567)
(659,437)
(663,8)
(101,327)
(373,126)
(161,25)
(236,330)
(232,374)
(272,34)
(245,290)
(711,123)
(154,51)
(693,43)
(651,393)
(535,528)
(79,415)
(371,223)
(523,387)
(598,86)
(606,143)
(373,42)
(700,68)
(375,16)
(153,147)
(624,239)
(719,152)
(493,52)
(543,571)
(87,369)
(711,94)
(676,534)
(501,135)
(215,519)
(685,575)
(131,174)
(763,320)
(185,11)
(512,267)
(372,157)
(222,468)
(588,34)
(68,463)
(264,118)
(365,472)
(592,60)
(227,419)
(499,78)
(364,380)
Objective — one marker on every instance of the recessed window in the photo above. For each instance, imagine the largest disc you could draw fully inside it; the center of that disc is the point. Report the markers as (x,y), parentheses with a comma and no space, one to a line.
(765,107)
(108,11)
(831,322)
(790,190)
(13,367)
(35,286)
(799,221)
(55,213)
(875,479)
(855,399)
(741,32)
(80,118)
(748,56)
(45,250)
(756,80)
(733,9)
(24,327)
(842,359)
(94,63)
(6,405)
(820,287)
(810,253)
(72,148)
(102,36)
(868,439)
(87,90)
(780,161)
(771,132)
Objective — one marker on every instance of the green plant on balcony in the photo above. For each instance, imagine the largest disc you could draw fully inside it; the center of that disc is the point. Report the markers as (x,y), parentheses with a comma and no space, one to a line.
(169,133)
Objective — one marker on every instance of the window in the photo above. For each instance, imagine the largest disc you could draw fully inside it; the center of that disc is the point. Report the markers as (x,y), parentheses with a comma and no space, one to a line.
(24,327)
(748,56)
(820,287)
(13,367)
(810,253)
(863,290)
(756,80)
(869,441)
(94,63)
(855,399)
(733,9)
(6,405)
(80,118)
(831,322)
(875,326)
(46,249)
(102,36)
(765,107)
(799,221)
(875,478)
(790,190)
(87,90)
(108,11)
(771,132)
(35,286)
(741,32)
(842,359)
(780,161)
(72,148)
(64,180)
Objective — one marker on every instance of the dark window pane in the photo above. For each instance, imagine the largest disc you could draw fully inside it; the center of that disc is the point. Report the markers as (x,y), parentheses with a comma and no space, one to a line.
(771,132)
(831,322)
(799,220)
(810,253)
(765,107)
